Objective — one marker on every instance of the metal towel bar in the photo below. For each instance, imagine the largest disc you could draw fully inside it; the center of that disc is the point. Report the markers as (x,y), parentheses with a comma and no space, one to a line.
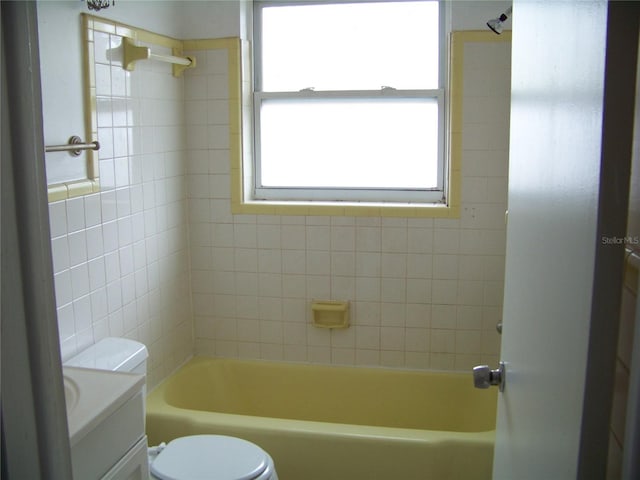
(74,146)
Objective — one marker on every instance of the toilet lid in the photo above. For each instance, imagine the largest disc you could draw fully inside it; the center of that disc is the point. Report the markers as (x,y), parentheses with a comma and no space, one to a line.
(203,457)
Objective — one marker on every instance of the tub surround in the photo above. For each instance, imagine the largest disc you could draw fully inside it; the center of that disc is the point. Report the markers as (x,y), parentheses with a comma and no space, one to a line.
(424,293)
(158,256)
(120,256)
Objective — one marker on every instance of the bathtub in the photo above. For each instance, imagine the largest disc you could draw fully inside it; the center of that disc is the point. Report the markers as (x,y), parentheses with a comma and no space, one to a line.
(334,423)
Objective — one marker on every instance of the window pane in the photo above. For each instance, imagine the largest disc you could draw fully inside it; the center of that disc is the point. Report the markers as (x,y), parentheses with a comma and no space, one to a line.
(350,46)
(368,143)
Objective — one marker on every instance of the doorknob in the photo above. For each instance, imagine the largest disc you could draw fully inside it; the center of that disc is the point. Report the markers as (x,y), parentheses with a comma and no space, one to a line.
(484,377)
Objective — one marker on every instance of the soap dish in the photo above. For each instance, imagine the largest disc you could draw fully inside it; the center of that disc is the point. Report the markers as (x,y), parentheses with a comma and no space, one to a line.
(330,314)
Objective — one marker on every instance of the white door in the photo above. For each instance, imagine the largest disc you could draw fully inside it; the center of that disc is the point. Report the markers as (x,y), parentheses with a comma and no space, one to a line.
(555,249)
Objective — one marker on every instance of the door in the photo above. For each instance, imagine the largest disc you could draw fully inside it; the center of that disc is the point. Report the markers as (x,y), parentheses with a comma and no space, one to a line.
(567,210)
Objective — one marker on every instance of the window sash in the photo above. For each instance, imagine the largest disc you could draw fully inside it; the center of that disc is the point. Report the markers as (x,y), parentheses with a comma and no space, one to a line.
(258,5)
(322,45)
(391,194)
(436,195)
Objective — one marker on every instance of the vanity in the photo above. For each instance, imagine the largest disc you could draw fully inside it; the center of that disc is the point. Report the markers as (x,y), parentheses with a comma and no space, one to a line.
(105,415)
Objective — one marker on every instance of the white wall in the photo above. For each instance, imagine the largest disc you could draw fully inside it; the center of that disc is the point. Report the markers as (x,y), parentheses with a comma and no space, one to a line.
(143,202)
(61,71)
(59,30)
(474,14)
(210,19)
(424,293)
(224,18)
(120,256)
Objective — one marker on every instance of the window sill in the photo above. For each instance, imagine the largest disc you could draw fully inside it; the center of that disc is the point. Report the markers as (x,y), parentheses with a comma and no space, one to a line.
(359,209)
(63,191)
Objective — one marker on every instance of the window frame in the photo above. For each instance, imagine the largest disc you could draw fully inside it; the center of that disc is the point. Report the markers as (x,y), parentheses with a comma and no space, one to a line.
(438,195)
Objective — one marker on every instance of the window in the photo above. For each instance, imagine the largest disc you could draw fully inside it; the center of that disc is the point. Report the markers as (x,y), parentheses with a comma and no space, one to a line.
(349,101)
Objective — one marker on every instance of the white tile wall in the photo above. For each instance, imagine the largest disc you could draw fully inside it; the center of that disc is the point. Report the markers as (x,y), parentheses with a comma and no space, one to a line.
(424,293)
(120,256)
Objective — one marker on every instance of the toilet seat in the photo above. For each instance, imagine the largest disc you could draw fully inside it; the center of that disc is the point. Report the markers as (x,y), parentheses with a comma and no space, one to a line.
(211,456)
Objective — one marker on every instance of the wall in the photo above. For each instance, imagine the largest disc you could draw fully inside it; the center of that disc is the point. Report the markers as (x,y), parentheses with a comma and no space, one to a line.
(424,293)
(474,14)
(628,313)
(59,31)
(121,256)
(228,18)
(622,373)
(61,64)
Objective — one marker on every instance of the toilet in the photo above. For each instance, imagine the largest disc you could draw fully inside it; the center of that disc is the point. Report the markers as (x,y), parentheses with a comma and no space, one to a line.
(216,457)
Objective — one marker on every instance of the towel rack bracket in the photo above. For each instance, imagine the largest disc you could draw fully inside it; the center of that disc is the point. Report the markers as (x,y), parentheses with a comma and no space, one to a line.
(178,69)
(74,146)
(132,53)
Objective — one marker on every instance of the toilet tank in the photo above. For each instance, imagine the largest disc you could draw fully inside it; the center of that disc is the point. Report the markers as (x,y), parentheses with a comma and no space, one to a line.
(114,354)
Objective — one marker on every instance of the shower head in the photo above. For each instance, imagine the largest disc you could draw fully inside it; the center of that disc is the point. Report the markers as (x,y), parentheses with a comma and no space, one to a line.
(496,24)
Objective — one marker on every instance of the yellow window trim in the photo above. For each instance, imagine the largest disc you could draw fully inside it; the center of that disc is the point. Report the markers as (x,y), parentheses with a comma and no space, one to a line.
(240,87)
(240,189)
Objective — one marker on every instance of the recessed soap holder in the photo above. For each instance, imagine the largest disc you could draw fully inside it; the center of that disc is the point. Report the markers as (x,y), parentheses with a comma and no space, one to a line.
(330,313)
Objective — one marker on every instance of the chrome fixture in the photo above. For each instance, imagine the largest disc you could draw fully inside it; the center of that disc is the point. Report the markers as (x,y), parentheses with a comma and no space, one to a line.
(74,146)
(484,377)
(497,24)
(499,327)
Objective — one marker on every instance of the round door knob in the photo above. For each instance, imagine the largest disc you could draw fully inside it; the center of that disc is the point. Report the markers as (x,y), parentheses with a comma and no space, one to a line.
(484,376)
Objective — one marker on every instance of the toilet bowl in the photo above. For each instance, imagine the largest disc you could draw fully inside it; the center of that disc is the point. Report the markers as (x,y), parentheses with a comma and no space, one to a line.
(212,456)
(198,456)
